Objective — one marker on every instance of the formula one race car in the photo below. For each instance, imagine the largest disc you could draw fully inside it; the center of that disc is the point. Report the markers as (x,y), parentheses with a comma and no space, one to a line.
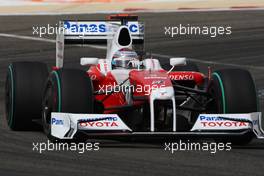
(127,93)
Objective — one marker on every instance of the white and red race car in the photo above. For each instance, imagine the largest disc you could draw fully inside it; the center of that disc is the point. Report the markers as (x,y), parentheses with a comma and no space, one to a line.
(128,94)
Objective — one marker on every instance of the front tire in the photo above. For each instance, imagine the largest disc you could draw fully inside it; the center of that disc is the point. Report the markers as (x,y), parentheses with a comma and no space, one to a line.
(23,93)
(233,91)
(69,91)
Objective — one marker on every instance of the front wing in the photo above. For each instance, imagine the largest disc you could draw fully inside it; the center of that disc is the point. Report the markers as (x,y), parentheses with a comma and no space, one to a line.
(68,125)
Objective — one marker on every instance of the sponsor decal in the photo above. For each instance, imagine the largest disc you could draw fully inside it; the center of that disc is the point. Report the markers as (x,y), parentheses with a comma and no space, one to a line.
(55,121)
(230,122)
(85,27)
(209,118)
(224,124)
(182,77)
(158,82)
(255,122)
(99,122)
(95,27)
(154,77)
(214,121)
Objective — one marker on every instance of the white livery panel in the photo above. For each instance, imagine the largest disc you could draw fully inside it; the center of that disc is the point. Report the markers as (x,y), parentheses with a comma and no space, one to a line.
(229,122)
(65,125)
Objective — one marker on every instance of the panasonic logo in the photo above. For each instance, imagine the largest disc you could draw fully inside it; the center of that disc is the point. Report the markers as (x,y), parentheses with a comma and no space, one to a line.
(208,118)
(55,121)
(96,27)
(85,27)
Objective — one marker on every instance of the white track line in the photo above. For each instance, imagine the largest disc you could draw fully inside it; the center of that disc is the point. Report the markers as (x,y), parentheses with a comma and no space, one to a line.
(27,38)
(154,54)
(43,40)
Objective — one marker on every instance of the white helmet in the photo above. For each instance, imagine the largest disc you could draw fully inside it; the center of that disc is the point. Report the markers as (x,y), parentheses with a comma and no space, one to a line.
(123,58)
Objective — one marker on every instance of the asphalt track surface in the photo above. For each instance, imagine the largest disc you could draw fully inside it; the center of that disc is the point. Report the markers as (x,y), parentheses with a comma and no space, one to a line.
(243,49)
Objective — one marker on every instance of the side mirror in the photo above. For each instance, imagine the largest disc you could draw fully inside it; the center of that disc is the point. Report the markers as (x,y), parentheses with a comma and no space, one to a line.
(89,61)
(177,61)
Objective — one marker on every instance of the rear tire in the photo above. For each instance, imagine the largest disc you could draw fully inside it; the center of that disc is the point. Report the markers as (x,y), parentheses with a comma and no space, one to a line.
(23,93)
(233,91)
(67,90)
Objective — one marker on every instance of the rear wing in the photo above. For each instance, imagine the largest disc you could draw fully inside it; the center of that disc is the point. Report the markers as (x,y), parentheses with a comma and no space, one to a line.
(95,32)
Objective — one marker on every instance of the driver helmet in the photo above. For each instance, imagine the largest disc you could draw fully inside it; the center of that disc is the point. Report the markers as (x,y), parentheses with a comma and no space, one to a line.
(123,58)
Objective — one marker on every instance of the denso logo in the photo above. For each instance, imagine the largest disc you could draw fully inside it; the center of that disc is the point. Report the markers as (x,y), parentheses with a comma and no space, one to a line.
(182,77)
(55,121)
